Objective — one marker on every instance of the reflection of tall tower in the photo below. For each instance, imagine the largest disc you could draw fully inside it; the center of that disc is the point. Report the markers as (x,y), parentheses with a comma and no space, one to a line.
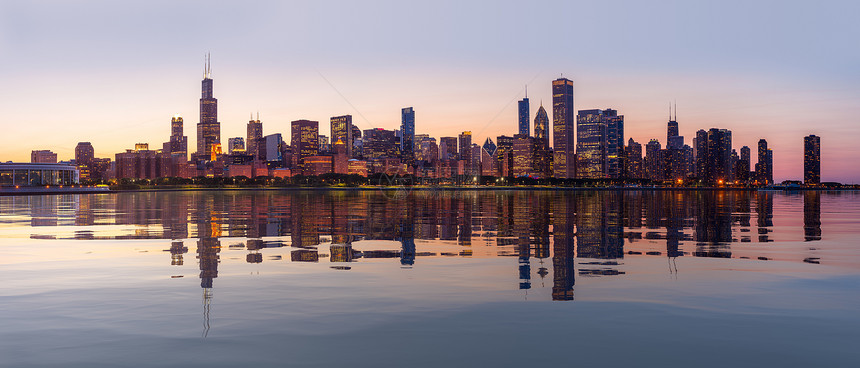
(208,129)
(564,228)
(599,227)
(764,212)
(812,215)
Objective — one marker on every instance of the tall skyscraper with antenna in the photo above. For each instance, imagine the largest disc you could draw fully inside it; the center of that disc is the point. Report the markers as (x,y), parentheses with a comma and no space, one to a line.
(254,135)
(523,107)
(208,129)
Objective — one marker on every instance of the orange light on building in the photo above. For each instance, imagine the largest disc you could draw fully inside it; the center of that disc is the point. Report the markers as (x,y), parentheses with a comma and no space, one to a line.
(720,182)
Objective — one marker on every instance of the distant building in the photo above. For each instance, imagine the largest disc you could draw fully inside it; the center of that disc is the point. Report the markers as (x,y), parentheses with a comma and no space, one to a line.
(342,129)
(178,143)
(633,160)
(654,161)
(718,153)
(208,129)
(407,136)
(317,165)
(379,143)
(143,163)
(524,156)
(325,146)
(84,155)
(764,166)
(270,150)
(600,144)
(465,149)
(37,174)
(448,148)
(505,155)
(43,157)
(742,171)
(236,145)
(524,115)
(304,141)
(254,137)
(564,164)
(812,160)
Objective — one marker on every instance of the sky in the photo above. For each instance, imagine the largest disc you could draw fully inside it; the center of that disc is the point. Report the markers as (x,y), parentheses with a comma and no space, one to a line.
(114,73)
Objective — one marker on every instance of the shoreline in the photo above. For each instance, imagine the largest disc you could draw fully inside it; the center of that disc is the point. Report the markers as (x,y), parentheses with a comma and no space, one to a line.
(56,191)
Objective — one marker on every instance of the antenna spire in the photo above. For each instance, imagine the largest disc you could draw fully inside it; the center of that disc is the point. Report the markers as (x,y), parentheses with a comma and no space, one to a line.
(527,91)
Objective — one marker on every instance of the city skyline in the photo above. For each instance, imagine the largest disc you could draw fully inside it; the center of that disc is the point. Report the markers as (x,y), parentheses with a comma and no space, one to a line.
(749,96)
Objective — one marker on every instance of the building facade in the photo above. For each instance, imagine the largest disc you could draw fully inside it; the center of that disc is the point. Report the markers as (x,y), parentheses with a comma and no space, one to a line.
(564,164)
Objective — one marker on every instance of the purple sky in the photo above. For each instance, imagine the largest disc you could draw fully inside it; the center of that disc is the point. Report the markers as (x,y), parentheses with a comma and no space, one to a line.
(115,73)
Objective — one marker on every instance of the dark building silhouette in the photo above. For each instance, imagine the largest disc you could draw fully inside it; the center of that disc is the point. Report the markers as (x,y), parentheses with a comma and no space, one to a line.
(812,160)
(524,114)
(407,136)
(764,166)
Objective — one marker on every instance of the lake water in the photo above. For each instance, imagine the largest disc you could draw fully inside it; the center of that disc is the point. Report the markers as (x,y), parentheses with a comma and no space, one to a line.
(430,278)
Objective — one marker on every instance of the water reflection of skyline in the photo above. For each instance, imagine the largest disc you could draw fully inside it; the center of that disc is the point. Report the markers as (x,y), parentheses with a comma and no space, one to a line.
(580,233)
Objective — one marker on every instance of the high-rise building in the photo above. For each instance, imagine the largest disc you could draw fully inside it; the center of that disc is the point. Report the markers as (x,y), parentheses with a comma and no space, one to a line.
(254,135)
(764,166)
(448,148)
(465,143)
(342,129)
(564,163)
(742,173)
(812,160)
(654,161)
(505,155)
(718,165)
(178,144)
(524,114)
(43,156)
(541,125)
(304,139)
(633,160)
(84,155)
(208,129)
(523,154)
(325,145)
(236,145)
(379,143)
(600,143)
(407,135)
(543,157)
(700,145)
(270,149)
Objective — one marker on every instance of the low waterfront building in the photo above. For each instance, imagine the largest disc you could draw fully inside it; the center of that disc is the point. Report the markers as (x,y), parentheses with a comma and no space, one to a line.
(37,174)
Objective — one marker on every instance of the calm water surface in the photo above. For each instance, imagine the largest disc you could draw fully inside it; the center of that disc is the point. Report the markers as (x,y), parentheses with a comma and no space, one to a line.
(430,278)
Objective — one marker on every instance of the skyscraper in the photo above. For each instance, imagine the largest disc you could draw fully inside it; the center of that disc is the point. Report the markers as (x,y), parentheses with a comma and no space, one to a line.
(812,160)
(465,140)
(764,166)
(562,128)
(541,124)
(524,115)
(742,173)
(178,144)
(84,155)
(600,143)
(407,135)
(304,139)
(448,148)
(208,129)
(718,167)
(341,129)
(254,135)
(543,158)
